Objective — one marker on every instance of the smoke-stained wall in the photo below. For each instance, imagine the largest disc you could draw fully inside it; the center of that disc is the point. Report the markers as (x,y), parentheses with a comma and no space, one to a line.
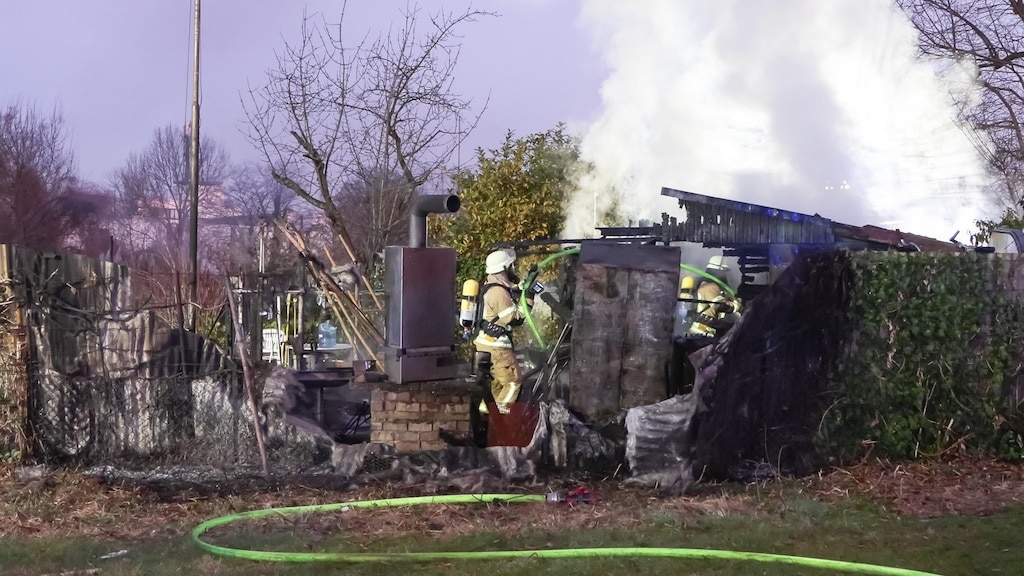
(623,316)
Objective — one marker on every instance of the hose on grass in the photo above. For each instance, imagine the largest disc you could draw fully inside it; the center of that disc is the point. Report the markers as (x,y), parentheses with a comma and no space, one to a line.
(630,552)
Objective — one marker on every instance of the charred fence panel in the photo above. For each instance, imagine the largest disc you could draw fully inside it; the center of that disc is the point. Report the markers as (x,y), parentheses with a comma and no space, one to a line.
(850,355)
(133,388)
(765,402)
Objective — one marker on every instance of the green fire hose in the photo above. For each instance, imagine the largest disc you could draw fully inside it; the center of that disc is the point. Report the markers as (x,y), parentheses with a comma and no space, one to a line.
(704,274)
(534,272)
(631,552)
(529,282)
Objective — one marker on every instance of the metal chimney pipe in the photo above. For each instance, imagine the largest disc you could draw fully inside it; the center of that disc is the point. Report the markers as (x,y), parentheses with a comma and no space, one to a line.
(427,204)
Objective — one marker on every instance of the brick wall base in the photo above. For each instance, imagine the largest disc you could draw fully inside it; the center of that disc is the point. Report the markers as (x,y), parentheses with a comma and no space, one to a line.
(411,416)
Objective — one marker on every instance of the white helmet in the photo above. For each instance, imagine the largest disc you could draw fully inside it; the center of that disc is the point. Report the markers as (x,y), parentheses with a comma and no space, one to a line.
(717,263)
(499,260)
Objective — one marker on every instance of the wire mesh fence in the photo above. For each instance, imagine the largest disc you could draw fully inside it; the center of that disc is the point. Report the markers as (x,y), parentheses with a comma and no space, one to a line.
(93,371)
(185,420)
(94,418)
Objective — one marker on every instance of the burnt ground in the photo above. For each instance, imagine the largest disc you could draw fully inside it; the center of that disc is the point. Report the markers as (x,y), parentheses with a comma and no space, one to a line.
(69,503)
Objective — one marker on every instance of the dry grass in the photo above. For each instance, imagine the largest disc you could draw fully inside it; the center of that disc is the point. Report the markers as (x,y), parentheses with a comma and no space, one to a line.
(963,486)
(68,504)
(614,507)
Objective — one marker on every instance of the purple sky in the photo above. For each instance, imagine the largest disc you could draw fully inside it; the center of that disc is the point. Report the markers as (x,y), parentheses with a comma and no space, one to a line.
(807,105)
(119,69)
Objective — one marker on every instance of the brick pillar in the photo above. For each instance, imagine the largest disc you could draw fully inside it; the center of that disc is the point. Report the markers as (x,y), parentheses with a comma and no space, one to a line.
(411,416)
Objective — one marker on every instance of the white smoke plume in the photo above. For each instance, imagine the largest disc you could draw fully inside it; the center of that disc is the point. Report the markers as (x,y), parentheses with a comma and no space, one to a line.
(806,105)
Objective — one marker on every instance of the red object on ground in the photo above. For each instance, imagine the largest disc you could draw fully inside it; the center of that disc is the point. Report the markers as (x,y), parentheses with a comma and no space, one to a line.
(513,429)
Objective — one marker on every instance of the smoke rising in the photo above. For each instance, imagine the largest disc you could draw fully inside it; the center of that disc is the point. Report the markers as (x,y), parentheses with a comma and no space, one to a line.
(810,106)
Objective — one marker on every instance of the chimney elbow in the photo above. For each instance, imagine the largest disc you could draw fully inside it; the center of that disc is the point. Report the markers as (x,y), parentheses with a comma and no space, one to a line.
(429,204)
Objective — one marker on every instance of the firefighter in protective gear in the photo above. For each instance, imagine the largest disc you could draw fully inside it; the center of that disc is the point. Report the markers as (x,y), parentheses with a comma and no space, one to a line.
(685,307)
(717,309)
(500,312)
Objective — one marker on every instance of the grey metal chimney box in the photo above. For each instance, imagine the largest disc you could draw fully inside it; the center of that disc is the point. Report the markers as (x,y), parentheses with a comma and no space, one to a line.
(419,285)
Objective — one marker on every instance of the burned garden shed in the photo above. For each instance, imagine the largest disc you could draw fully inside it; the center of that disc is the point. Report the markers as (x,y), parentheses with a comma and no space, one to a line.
(765,395)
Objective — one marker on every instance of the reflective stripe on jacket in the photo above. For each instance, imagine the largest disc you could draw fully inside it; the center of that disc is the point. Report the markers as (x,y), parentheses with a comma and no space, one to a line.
(499,308)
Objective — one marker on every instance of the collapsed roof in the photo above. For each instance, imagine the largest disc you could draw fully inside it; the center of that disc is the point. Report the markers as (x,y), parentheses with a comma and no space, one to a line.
(734,225)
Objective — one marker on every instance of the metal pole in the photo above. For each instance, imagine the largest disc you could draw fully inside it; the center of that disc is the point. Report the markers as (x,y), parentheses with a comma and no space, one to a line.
(300,320)
(280,331)
(193,232)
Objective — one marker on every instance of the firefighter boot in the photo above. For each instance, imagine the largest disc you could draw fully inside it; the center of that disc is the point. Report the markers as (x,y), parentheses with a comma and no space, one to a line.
(507,396)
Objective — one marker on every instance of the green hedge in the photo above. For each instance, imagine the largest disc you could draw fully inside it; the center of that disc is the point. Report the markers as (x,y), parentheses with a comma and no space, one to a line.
(933,362)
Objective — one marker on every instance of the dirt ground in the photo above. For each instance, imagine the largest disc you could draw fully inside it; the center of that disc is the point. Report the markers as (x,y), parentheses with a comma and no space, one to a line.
(68,503)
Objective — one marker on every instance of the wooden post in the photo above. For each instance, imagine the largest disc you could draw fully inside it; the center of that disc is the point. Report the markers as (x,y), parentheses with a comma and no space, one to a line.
(250,391)
(193,228)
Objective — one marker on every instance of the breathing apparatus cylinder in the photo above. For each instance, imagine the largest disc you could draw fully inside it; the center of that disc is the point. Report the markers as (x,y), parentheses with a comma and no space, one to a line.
(687,292)
(467,316)
(684,306)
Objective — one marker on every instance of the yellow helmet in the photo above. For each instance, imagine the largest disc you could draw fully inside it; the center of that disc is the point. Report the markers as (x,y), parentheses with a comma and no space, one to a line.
(687,284)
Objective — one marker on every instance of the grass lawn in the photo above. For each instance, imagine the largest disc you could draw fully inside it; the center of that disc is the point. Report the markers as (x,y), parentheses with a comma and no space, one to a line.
(962,518)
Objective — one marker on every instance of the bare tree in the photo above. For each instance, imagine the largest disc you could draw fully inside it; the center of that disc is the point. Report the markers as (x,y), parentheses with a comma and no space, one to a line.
(253,193)
(42,204)
(255,200)
(29,140)
(988,35)
(154,184)
(335,113)
(377,210)
(152,229)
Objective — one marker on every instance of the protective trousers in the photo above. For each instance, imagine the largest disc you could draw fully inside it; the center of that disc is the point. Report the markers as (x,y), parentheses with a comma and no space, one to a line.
(506,376)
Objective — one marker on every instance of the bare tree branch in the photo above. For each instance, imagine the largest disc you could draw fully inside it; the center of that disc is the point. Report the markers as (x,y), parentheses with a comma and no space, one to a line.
(154,183)
(989,35)
(380,116)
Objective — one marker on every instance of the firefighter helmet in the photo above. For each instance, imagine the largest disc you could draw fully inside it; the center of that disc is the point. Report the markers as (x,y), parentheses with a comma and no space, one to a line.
(717,263)
(499,260)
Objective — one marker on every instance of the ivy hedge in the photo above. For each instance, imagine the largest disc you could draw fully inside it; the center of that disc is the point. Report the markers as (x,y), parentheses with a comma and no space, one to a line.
(933,359)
